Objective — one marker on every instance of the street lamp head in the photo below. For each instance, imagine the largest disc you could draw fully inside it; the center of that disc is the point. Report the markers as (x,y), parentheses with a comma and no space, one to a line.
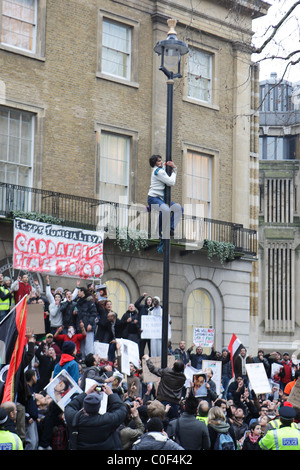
(171,50)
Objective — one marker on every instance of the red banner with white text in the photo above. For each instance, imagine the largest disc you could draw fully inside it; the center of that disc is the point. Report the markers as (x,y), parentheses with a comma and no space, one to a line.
(57,250)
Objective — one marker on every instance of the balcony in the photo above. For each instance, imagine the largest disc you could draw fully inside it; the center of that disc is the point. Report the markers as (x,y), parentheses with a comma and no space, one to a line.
(92,214)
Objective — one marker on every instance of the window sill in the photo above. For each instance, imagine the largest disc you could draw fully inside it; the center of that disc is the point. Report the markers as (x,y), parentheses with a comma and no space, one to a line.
(201,103)
(119,80)
(14,50)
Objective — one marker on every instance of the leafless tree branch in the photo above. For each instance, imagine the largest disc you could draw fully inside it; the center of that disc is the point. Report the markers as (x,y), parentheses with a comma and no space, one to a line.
(258,50)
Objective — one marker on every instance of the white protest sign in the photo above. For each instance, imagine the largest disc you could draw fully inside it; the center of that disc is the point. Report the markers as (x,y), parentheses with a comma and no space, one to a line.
(62,388)
(189,372)
(275,369)
(258,378)
(216,367)
(101,349)
(204,337)
(151,326)
(129,353)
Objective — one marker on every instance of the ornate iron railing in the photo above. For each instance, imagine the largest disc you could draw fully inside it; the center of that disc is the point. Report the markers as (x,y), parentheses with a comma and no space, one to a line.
(92,214)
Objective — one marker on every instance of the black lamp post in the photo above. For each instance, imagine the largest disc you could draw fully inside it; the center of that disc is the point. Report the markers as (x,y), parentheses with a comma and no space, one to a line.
(170,50)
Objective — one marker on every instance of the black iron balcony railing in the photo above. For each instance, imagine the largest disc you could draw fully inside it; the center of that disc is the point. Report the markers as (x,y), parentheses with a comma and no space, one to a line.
(92,214)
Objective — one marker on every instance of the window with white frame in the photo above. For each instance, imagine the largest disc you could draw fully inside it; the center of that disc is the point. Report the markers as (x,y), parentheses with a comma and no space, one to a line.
(114,167)
(116,49)
(16,146)
(198,182)
(19,24)
(199,75)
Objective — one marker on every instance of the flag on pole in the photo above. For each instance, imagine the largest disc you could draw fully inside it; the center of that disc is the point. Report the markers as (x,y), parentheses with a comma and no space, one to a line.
(234,348)
(12,348)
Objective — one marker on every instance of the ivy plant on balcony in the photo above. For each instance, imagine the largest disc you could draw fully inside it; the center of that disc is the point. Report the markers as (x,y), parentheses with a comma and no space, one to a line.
(36,216)
(131,240)
(224,251)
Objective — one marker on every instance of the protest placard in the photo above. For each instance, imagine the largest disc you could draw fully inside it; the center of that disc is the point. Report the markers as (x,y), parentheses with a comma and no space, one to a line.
(216,367)
(258,378)
(294,396)
(151,326)
(101,349)
(35,318)
(199,381)
(204,337)
(129,353)
(62,388)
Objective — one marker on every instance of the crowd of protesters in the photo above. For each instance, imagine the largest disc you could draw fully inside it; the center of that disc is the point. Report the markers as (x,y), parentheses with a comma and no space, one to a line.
(165,414)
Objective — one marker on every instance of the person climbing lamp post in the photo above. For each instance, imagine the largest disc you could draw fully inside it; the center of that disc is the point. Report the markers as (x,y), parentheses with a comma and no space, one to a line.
(170,50)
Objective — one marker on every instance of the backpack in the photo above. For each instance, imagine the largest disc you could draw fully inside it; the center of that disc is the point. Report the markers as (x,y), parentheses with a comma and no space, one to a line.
(224,442)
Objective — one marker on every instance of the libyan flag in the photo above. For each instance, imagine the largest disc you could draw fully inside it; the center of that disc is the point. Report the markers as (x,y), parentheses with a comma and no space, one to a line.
(12,348)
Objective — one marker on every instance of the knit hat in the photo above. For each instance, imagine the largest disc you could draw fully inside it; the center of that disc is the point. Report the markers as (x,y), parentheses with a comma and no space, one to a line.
(91,403)
(68,347)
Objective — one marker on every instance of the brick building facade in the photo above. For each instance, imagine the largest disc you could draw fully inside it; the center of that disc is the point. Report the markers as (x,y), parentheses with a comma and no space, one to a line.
(82,80)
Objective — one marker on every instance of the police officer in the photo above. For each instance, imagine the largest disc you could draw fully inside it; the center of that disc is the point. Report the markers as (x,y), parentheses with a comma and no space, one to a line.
(8,440)
(5,298)
(285,437)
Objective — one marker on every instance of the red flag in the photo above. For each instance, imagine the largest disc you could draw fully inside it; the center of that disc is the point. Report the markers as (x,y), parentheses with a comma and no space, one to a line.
(11,382)
(234,349)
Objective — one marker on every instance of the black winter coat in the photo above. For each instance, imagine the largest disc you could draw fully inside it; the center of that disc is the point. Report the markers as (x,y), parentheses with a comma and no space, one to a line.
(96,432)
(67,308)
(86,311)
(131,330)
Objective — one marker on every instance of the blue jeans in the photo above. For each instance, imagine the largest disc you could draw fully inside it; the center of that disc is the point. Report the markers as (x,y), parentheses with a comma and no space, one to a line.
(166,223)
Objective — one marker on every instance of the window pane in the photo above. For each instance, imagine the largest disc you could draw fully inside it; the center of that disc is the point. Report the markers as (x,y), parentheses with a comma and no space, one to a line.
(16,146)
(116,49)
(279,148)
(198,185)
(19,23)
(114,167)
(200,75)
(271,148)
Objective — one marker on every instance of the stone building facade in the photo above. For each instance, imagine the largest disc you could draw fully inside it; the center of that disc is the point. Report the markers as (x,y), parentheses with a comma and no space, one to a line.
(279,234)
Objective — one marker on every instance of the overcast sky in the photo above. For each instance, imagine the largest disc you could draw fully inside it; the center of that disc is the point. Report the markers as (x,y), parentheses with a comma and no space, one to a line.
(286,40)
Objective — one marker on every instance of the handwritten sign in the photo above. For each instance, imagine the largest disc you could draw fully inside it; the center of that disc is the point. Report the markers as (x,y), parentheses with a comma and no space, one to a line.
(57,250)
(204,337)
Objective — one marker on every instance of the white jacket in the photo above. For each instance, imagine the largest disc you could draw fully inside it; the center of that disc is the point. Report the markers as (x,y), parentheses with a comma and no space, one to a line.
(159,179)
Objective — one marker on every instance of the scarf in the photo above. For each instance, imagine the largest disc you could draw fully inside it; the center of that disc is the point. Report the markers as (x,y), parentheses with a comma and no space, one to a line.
(237,422)
(253,438)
